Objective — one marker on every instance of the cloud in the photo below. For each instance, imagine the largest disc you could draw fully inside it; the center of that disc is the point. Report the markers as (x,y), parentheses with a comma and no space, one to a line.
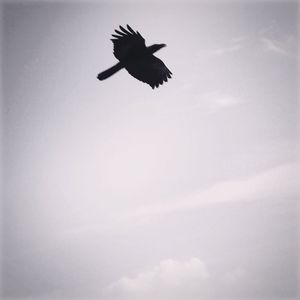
(171,279)
(239,39)
(233,45)
(224,50)
(236,43)
(216,101)
(278,182)
(169,273)
(270,28)
(280,44)
(273,46)
(206,103)
(234,276)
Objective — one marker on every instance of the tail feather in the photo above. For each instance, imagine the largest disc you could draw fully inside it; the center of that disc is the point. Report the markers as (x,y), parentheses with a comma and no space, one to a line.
(107,73)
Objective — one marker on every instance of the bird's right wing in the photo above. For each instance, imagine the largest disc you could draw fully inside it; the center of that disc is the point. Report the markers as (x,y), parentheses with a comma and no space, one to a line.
(150,70)
(127,42)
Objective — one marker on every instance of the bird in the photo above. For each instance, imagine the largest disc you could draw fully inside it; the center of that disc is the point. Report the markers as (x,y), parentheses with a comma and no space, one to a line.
(130,49)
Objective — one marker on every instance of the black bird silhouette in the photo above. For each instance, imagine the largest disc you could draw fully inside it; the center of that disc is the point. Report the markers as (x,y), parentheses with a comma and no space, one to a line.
(136,58)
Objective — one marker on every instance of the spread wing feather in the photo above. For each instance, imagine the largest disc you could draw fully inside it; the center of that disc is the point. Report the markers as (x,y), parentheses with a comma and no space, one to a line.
(149,69)
(127,42)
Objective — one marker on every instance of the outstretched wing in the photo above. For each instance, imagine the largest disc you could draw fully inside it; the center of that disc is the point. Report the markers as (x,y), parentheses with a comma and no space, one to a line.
(149,69)
(127,42)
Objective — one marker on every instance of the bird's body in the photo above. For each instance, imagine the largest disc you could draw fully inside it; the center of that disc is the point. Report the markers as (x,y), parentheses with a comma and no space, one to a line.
(136,58)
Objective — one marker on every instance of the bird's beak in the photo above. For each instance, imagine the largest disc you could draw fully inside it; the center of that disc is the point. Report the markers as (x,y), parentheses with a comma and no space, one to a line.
(161,46)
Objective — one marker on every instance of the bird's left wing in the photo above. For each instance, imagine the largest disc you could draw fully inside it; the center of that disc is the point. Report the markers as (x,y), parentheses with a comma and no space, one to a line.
(127,42)
(149,69)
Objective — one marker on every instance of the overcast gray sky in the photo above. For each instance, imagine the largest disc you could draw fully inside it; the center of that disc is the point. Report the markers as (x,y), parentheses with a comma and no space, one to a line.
(113,190)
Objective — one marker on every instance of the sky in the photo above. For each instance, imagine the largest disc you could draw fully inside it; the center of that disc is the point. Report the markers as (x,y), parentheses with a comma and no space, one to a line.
(115,191)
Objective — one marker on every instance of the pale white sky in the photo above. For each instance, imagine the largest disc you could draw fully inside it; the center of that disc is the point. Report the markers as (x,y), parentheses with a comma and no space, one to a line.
(113,190)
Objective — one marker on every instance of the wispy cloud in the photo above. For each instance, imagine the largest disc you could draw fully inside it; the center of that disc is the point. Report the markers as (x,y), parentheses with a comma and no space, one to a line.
(239,39)
(274,41)
(172,279)
(233,45)
(285,48)
(206,103)
(216,101)
(169,274)
(277,182)
(225,50)
(269,28)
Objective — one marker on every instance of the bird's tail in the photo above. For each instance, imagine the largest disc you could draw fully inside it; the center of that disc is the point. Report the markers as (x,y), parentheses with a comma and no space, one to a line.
(107,73)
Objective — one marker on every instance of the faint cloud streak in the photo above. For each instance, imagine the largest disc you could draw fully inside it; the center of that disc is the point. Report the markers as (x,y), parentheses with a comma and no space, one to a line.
(271,40)
(224,50)
(173,279)
(168,274)
(216,101)
(276,46)
(277,182)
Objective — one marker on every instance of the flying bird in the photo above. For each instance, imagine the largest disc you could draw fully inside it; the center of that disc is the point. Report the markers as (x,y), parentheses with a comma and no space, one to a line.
(137,58)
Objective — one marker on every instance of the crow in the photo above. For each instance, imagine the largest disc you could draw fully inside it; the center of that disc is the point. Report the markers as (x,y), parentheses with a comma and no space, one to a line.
(137,58)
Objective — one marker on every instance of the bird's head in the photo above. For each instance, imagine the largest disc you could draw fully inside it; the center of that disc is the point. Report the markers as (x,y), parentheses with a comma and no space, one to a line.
(156,47)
